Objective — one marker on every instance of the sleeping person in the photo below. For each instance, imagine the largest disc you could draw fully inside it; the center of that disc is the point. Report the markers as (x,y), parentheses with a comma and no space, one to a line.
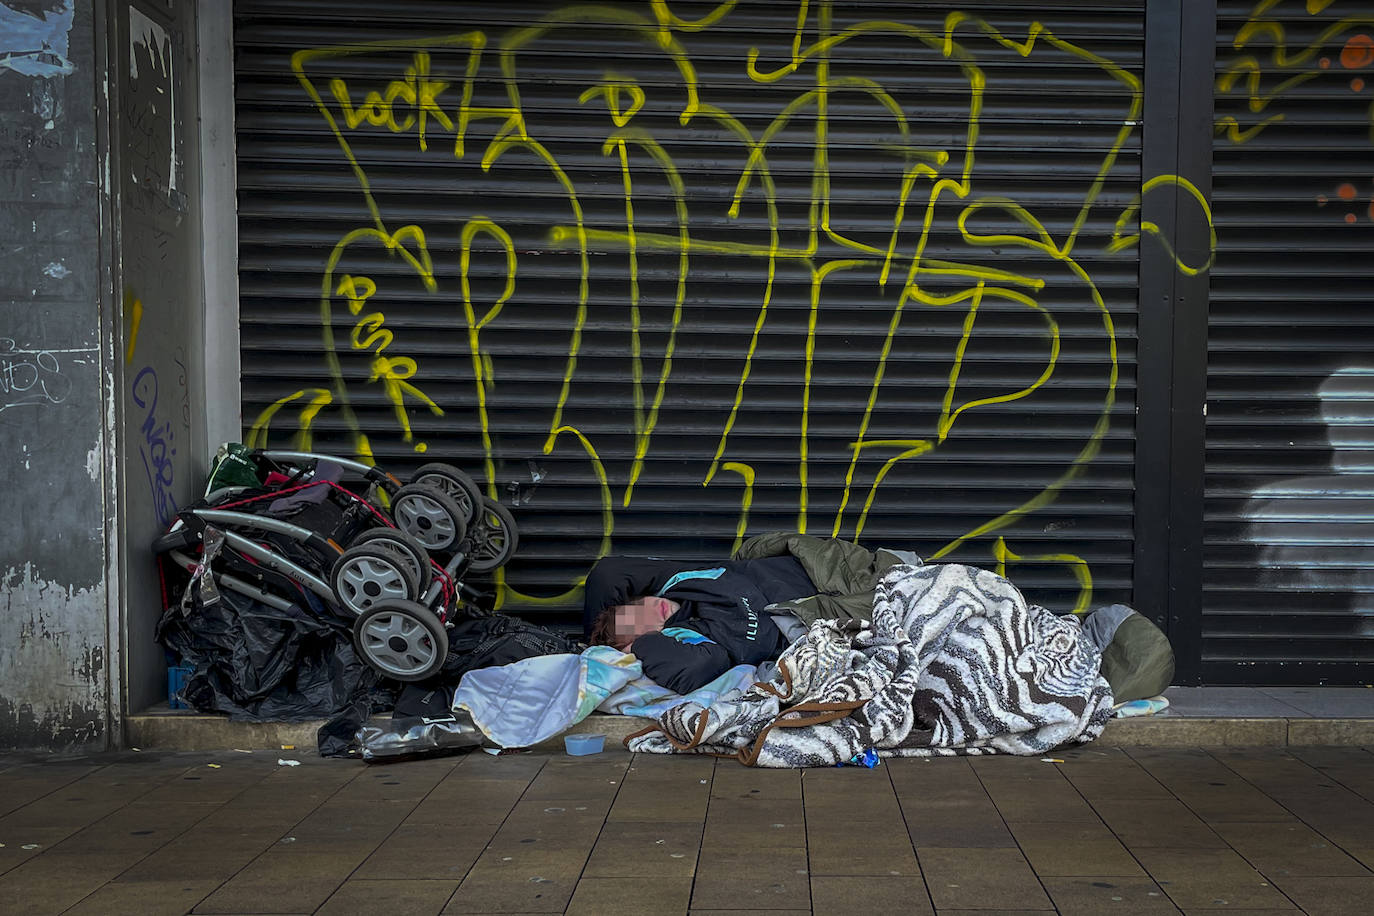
(689,624)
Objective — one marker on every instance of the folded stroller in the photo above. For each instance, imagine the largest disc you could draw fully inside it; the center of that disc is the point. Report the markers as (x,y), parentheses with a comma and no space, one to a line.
(384,558)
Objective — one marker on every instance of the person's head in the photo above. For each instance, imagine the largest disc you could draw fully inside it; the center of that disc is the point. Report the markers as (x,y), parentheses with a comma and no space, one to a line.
(621,624)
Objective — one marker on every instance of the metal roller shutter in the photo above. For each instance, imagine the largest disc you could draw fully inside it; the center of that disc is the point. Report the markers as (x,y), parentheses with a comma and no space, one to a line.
(603,255)
(1289,594)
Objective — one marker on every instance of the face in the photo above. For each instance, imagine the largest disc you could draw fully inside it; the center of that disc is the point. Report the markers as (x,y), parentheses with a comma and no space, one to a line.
(643,615)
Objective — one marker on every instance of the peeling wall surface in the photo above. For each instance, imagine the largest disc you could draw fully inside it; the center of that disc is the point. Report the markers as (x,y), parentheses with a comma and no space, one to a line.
(54,650)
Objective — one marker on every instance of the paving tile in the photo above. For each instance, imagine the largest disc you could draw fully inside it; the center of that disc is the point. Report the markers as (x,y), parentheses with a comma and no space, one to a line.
(976,878)
(459,800)
(79,864)
(78,804)
(1330,896)
(631,849)
(823,785)
(763,880)
(143,898)
(733,780)
(956,819)
(1204,878)
(874,809)
(643,799)
(408,897)
(1351,767)
(1006,767)
(507,766)
(749,822)
(379,784)
(217,846)
(29,893)
(1341,816)
(1149,822)
(944,803)
(1069,850)
(552,849)
(930,775)
(282,881)
(1291,848)
(671,766)
(417,851)
(1039,800)
(1097,895)
(496,886)
(848,848)
(663,896)
(588,778)
(1108,775)
(26,783)
(207,785)
(1267,767)
(738,912)
(1220,796)
(837,895)
(860,805)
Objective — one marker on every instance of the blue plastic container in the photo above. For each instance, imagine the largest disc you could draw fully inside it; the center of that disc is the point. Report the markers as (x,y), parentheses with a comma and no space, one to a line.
(176,679)
(582,745)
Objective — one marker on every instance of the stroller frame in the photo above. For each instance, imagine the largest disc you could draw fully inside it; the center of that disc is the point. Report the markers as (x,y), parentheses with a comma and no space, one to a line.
(400,600)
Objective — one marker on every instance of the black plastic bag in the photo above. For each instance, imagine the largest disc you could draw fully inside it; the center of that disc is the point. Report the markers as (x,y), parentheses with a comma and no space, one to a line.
(484,642)
(257,663)
(424,702)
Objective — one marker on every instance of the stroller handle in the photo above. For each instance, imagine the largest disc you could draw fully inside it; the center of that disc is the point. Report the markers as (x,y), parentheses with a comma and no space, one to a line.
(370,472)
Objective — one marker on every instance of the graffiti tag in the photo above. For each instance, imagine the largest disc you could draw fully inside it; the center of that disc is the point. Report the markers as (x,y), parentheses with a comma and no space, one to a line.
(156,449)
(30,377)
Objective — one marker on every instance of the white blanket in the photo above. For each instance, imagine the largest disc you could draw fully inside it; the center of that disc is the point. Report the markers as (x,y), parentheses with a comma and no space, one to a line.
(954,661)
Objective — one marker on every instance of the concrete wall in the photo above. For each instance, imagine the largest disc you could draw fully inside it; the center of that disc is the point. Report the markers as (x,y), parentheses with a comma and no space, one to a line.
(55,426)
(162,454)
(102,391)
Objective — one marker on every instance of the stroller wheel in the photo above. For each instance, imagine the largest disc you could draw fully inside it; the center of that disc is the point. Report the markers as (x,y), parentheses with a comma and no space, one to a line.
(494,537)
(364,575)
(455,483)
(430,516)
(403,547)
(401,639)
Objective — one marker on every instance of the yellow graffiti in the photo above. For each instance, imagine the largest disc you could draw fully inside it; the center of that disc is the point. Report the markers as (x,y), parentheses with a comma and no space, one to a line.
(416,91)
(468,87)
(1295,65)
(1076,564)
(369,334)
(482,371)
(1131,214)
(133,307)
(746,474)
(319,398)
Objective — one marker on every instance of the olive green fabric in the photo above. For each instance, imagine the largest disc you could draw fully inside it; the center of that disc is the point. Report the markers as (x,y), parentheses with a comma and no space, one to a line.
(1139,662)
(844,573)
(232,466)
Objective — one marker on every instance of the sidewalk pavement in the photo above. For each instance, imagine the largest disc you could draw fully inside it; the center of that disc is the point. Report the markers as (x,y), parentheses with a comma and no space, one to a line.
(1099,829)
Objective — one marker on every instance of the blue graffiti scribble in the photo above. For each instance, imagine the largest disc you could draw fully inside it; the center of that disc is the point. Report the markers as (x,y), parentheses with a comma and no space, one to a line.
(156,449)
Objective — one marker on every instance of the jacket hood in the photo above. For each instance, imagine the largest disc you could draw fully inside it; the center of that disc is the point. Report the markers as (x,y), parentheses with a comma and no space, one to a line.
(618,580)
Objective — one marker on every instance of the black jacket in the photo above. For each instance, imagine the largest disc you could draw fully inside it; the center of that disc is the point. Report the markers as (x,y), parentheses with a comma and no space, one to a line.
(722,621)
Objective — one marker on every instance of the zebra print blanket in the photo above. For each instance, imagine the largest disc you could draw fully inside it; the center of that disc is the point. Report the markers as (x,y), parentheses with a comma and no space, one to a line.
(953,662)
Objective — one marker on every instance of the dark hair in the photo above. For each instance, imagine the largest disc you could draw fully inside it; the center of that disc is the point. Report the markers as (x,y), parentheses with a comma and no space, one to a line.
(603,629)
